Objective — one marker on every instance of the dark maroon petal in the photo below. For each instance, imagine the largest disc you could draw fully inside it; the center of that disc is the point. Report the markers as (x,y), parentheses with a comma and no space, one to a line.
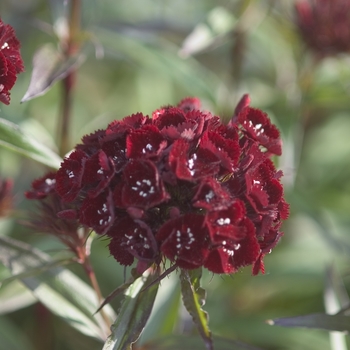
(91,169)
(193,166)
(6,83)
(258,265)
(119,252)
(136,237)
(120,127)
(92,142)
(274,190)
(42,187)
(248,250)
(263,191)
(253,156)
(136,121)
(142,188)
(266,244)
(9,46)
(230,259)
(98,213)
(99,170)
(243,103)
(115,149)
(168,116)
(225,225)
(211,195)
(178,159)
(145,143)
(283,209)
(258,198)
(270,240)
(219,260)
(259,127)
(69,176)
(230,147)
(229,132)
(68,214)
(185,240)
(3,65)
(227,151)
(189,103)
(135,213)
(11,62)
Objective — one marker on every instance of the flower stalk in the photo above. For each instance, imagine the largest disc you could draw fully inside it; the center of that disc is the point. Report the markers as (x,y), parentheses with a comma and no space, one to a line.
(70,47)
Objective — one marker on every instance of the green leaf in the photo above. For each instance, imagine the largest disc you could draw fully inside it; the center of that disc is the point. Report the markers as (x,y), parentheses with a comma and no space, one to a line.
(319,321)
(164,61)
(15,296)
(58,289)
(12,337)
(49,66)
(176,342)
(166,308)
(13,138)
(219,24)
(134,313)
(193,297)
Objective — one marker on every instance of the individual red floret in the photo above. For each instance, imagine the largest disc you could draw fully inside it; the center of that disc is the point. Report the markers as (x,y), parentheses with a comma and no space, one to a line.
(185,240)
(69,176)
(259,127)
(142,185)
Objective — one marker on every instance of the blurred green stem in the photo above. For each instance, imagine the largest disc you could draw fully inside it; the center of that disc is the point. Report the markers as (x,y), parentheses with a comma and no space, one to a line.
(70,47)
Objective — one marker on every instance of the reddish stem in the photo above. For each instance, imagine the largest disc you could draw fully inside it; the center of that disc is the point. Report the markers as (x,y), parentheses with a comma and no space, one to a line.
(70,47)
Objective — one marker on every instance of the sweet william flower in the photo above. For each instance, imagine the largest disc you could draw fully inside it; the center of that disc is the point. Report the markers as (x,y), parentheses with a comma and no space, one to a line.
(11,63)
(179,185)
(324,25)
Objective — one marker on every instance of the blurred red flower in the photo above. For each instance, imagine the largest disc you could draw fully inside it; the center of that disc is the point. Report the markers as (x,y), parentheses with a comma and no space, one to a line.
(180,185)
(11,63)
(325,25)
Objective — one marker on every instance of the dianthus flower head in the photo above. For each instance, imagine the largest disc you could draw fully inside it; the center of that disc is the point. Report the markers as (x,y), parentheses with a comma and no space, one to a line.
(11,63)
(325,25)
(180,185)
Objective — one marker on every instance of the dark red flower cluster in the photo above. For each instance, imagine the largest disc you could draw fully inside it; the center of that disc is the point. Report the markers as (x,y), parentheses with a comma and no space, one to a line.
(180,185)
(325,25)
(11,63)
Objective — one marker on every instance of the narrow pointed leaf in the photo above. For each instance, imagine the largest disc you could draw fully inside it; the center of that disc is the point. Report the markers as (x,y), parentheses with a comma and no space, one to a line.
(176,342)
(318,321)
(14,297)
(335,296)
(119,290)
(58,289)
(219,23)
(193,297)
(197,79)
(49,66)
(134,313)
(13,138)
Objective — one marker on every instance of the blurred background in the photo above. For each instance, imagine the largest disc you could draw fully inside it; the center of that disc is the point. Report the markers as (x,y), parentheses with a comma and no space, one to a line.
(143,54)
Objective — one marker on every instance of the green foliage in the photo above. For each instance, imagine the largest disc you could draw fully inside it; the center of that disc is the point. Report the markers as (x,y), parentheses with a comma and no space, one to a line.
(142,54)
